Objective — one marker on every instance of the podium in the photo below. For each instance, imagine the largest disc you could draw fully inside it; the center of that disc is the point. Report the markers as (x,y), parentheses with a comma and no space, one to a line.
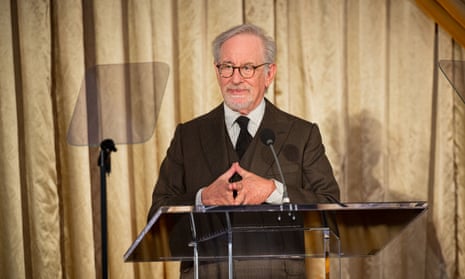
(290,231)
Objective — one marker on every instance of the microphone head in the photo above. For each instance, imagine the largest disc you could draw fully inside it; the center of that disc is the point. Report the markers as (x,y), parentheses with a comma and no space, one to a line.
(267,136)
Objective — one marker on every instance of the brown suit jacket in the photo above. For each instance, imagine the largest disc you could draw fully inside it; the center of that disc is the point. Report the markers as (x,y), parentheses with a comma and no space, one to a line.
(201,151)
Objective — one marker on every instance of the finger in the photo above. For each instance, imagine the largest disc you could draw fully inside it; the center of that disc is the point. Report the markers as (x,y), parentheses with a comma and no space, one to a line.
(240,198)
(230,171)
(238,186)
(242,172)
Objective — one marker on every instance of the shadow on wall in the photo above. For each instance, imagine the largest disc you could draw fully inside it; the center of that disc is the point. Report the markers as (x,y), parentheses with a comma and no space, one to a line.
(359,168)
(416,252)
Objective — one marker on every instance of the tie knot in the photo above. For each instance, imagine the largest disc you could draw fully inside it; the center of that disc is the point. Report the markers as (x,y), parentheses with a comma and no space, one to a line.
(243,122)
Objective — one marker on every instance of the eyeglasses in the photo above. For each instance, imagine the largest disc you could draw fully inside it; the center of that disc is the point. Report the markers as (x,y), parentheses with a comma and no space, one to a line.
(246,71)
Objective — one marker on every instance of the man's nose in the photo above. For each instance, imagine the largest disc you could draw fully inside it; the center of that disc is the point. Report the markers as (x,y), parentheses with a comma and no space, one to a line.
(237,77)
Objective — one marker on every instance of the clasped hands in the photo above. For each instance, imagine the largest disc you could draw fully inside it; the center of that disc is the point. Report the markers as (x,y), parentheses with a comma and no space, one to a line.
(251,189)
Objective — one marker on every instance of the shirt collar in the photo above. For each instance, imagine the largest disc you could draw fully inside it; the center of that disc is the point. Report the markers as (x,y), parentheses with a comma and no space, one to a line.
(255,117)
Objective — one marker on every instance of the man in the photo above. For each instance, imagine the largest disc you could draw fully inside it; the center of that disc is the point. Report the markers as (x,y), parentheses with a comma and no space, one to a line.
(204,164)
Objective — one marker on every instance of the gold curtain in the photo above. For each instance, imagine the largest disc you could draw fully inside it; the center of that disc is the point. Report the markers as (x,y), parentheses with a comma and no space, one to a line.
(366,71)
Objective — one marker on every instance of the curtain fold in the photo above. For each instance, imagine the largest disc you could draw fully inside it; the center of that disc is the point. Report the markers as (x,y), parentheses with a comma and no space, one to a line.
(365,71)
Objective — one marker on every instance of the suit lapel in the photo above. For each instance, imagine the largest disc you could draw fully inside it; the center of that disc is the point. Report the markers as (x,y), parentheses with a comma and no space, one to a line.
(273,119)
(213,140)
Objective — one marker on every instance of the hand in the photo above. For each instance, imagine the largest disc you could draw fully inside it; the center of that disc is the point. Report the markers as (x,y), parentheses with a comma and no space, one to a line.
(220,192)
(252,189)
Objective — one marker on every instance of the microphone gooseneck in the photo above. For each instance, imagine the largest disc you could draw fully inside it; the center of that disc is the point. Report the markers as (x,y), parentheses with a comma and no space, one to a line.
(267,137)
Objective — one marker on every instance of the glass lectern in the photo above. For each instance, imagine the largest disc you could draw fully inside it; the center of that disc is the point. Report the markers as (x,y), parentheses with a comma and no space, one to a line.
(290,231)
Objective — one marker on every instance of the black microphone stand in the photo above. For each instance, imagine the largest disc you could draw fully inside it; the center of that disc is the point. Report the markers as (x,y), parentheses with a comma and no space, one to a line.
(104,162)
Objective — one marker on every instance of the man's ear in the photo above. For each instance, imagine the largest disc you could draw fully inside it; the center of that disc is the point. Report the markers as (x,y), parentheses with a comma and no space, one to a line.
(270,75)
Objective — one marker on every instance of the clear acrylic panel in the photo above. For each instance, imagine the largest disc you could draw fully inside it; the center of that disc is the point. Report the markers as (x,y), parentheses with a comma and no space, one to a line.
(454,70)
(119,102)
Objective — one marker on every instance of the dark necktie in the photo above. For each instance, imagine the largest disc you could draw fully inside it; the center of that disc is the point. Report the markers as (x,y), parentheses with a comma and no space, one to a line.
(244,138)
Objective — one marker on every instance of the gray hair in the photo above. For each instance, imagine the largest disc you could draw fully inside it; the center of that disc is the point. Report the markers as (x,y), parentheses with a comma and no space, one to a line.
(268,42)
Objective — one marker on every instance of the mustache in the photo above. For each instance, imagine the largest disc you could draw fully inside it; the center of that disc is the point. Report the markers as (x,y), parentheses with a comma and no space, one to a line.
(237,88)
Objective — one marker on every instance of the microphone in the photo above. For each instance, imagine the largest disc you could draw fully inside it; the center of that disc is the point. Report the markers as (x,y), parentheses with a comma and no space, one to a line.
(267,137)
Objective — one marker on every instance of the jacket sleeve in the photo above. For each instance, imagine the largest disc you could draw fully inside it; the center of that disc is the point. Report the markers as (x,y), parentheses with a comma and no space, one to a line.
(315,182)
(170,188)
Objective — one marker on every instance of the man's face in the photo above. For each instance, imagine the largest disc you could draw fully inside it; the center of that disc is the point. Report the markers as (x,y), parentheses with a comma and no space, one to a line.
(240,94)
